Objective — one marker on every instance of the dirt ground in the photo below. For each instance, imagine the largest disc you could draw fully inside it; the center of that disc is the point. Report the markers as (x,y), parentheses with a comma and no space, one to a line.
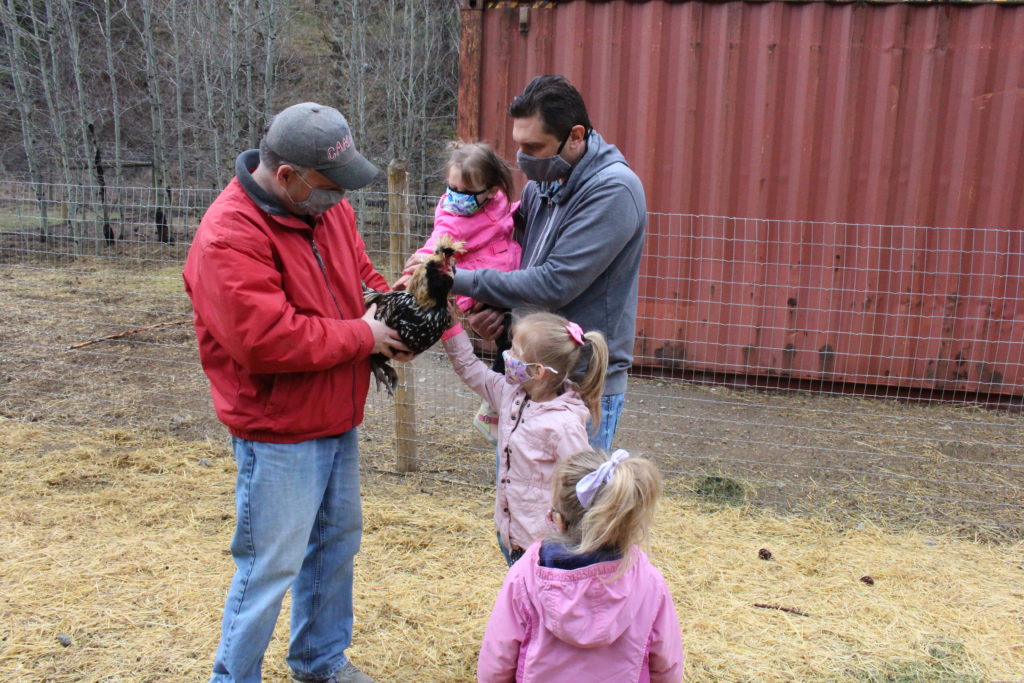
(118,510)
(114,568)
(958,466)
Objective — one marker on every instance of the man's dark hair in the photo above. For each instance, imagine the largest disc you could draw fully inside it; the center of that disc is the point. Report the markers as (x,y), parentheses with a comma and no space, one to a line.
(559,104)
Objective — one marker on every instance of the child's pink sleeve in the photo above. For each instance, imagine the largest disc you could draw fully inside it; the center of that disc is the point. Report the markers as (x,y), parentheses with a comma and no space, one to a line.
(499,652)
(455,329)
(444,224)
(665,655)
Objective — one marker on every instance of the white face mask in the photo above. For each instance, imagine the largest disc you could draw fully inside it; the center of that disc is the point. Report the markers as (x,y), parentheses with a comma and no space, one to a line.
(319,200)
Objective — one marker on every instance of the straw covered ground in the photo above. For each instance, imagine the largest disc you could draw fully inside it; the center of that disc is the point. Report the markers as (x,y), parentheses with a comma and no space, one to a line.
(114,567)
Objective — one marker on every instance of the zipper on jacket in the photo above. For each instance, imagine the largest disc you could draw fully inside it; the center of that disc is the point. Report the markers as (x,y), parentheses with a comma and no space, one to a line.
(519,418)
(323,270)
(543,238)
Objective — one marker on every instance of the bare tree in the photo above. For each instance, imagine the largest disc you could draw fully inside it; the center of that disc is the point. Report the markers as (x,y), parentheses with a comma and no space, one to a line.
(270,14)
(67,19)
(206,74)
(397,61)
(161,191)
(106,30)
(13,35)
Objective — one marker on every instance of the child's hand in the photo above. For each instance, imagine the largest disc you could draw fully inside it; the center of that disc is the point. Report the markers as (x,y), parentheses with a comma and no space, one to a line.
(456,313)
(411,264)
(401,282)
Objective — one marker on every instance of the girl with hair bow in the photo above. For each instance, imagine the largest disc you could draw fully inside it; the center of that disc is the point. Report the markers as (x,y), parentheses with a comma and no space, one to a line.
(542,414)
(586,604)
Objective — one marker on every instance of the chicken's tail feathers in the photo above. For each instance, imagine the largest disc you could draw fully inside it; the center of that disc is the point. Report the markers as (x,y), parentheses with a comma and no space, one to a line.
(383,373)
(371,296)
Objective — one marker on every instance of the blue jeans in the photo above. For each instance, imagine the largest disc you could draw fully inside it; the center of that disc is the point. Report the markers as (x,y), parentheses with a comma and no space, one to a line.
(611,411)
(511,556)
(299,525)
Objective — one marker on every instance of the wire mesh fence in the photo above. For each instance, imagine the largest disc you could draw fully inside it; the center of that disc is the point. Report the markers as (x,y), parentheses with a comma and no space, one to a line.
(768,370)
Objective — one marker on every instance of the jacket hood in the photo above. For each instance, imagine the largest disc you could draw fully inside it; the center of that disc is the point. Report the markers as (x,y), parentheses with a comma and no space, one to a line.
(599,155)
(582,607)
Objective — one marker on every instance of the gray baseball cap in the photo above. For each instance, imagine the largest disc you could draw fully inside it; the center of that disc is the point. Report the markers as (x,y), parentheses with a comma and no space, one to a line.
(317,136)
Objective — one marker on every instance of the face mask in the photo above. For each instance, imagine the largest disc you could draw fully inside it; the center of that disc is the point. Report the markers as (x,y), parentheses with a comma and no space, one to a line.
(545,169)
(318,201)
(515,369)
(461,203)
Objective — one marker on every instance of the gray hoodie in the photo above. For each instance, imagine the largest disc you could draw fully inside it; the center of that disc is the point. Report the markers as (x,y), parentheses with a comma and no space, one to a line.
(581,254)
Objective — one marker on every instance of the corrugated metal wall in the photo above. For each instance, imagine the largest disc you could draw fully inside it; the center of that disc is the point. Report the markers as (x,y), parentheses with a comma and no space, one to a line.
(828,123)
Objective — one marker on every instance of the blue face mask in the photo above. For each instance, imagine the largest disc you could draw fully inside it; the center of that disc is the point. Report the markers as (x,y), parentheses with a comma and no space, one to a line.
(461,203)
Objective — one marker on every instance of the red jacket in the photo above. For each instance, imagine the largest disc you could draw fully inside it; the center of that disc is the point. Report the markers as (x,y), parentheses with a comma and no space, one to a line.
(287,361)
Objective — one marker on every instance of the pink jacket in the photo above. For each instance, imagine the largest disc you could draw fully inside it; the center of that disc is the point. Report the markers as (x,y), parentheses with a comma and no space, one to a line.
(532,438)
(551,625)
(487,234)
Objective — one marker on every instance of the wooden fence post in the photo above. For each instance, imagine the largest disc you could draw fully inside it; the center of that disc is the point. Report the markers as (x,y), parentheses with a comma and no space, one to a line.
(399,248)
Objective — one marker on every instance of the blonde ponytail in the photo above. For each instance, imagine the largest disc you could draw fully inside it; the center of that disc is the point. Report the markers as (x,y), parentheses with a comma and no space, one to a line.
(620,514)
(592,386)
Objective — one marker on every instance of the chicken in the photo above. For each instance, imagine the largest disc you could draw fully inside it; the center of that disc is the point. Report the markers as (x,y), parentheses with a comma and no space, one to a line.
(420,312)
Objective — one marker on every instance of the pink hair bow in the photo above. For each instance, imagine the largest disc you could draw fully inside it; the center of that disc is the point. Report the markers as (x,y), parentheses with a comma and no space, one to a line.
(588,486)
(576,332)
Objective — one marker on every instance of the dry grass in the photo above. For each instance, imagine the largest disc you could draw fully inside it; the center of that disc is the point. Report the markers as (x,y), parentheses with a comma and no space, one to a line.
(119,540)
(899,462)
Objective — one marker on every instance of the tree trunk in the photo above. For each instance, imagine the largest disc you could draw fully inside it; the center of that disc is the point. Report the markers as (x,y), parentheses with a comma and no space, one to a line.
(115,108)
(179,87)
(270,31)
(160,189)
(231,115)
(108,232)
(46,52)
(19,73)
(69,21)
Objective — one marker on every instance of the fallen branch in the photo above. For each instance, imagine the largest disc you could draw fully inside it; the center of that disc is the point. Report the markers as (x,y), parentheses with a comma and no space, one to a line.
(168,323)
(791,610)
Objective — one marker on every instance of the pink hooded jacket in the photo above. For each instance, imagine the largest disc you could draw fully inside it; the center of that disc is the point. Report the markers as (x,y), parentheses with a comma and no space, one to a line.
(551,625)
(487,234)
(532,438)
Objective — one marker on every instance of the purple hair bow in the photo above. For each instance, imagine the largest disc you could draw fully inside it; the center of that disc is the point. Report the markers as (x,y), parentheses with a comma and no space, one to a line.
(588,486)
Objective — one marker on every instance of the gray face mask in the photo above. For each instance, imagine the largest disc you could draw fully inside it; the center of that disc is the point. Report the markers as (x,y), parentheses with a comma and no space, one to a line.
(319,200)
(545,169)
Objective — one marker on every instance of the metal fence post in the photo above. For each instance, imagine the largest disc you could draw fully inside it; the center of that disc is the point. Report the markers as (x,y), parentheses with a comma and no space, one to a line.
(405,391)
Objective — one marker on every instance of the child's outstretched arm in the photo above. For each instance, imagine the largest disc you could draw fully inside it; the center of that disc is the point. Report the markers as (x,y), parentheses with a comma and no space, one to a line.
(506,628)
(666,649)
(444,224)
(487,383)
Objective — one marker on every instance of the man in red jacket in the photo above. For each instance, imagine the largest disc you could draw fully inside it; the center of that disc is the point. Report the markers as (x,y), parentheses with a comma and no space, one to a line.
(275,275)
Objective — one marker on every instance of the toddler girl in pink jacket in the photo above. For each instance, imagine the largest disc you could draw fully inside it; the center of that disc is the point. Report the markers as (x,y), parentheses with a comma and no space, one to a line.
(475,209)
(542,415)
(587,604)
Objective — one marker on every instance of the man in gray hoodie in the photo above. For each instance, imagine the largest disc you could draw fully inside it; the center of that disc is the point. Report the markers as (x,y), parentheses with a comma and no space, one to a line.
(585,216)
